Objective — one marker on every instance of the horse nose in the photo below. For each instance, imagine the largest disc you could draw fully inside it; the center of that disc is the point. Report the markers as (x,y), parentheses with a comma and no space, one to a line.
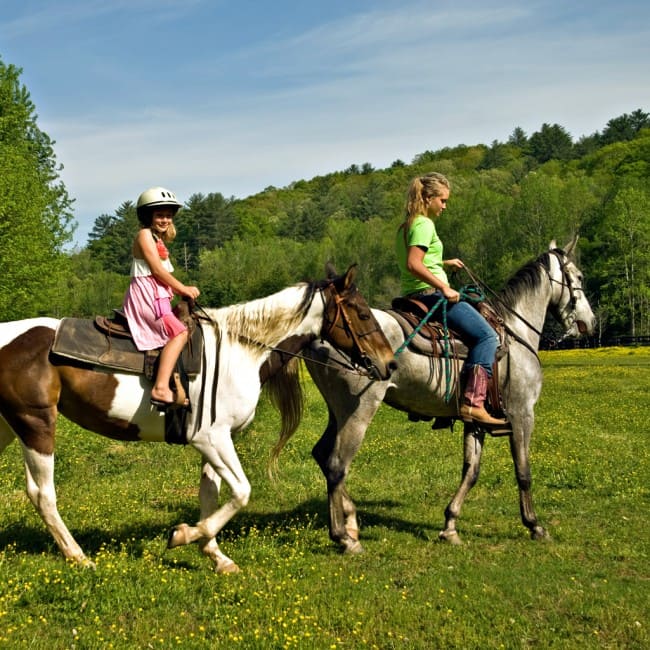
(378,374)
(389,369)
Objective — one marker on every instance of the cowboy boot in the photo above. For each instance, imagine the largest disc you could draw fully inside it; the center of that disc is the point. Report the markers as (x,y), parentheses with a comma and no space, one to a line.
(473,409)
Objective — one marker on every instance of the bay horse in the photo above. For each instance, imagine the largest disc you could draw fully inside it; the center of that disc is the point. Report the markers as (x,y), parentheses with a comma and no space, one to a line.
(241,344)
(418,386)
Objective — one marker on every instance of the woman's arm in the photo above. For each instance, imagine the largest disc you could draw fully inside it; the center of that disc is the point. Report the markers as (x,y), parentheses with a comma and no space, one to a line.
(416,267)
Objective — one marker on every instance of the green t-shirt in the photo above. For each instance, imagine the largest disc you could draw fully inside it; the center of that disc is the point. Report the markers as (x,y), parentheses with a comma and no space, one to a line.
(423,234)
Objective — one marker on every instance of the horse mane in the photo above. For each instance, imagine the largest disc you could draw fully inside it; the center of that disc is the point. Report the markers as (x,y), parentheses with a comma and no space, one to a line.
(267,321)
(526,280)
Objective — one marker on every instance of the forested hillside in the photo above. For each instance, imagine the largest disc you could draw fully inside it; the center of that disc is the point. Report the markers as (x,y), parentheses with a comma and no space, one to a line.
(509,199)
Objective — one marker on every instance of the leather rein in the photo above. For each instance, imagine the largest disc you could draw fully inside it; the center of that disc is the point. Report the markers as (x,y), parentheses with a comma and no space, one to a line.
(565,282)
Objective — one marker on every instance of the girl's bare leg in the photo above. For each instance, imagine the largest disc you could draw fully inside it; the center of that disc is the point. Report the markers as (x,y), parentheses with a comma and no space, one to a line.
(170,353)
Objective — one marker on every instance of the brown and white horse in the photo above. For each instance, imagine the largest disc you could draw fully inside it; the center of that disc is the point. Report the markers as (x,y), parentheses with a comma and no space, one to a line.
(35,386)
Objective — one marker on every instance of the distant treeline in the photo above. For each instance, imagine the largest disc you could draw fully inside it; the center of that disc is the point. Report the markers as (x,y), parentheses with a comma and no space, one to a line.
(509,200)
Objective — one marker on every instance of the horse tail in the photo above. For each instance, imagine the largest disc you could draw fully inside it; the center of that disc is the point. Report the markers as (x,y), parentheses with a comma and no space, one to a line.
(286,394)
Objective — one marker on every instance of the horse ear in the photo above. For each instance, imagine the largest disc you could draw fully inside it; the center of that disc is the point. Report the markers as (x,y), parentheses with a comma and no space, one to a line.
(553,245)
(330,271)
(350,275)
(570,247)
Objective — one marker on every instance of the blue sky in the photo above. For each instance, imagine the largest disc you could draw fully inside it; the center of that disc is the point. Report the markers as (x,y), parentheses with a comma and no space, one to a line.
(234,96)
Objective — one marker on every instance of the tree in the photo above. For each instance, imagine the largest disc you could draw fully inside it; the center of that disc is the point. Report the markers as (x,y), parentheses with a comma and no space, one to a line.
(303,222)
(588,144)
(541,212)
(625,127)
(627,266)
(245,270)
(111,239)
(518,138)
(370,202)
(506,207)
(207,222)
(35,209)
(474,226)
(550,142)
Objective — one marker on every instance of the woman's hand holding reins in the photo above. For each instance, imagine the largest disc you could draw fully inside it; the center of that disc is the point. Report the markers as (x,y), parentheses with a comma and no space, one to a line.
(454,262)
(450,294)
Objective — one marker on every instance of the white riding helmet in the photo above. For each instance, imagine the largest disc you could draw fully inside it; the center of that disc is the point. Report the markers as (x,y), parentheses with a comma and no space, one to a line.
(155,197)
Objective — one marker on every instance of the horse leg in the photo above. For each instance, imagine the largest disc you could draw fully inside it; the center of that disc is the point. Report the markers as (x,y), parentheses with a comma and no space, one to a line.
(473,439)
(208,498)
(334,453)
(39,473)
(519,451)
(219,451)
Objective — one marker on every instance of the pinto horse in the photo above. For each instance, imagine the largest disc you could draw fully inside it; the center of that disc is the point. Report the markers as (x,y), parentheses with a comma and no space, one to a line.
(241,344)
(419,387)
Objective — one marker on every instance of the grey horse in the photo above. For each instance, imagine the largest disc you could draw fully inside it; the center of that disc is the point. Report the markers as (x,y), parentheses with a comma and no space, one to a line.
(552,283)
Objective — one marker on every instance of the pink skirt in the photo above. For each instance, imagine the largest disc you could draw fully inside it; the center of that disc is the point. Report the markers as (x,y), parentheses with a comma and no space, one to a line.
(147,306)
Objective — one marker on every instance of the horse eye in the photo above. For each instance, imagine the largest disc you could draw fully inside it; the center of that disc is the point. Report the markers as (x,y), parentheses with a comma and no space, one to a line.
(363,315)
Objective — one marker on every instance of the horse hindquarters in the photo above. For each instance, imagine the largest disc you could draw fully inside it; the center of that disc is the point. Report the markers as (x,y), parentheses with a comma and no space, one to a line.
(29,391)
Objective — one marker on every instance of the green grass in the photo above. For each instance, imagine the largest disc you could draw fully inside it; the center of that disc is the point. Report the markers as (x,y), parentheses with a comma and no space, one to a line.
(587,588)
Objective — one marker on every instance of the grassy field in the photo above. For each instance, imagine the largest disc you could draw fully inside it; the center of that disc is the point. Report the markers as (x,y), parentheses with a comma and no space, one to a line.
(587,588)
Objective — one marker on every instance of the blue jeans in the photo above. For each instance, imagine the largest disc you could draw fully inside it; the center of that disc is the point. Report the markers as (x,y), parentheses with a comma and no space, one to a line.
(482,341)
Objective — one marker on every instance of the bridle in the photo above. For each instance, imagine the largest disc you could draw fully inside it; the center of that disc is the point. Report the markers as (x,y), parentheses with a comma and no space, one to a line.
(565,283)
(332,299)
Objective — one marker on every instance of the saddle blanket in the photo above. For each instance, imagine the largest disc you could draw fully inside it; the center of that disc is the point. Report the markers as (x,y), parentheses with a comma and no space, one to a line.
(81,340)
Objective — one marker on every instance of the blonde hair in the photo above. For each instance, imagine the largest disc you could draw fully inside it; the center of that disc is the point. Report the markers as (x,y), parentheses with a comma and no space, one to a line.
(420,190)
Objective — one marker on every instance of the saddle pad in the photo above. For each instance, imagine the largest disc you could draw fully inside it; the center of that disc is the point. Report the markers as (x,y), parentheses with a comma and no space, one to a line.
(79,339)
(428,341)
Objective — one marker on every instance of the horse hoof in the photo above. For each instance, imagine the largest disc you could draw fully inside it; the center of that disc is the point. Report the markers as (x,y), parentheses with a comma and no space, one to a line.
(450,537)
(86,563)
(539,533)
(355,548)
(227,568)
(178,536)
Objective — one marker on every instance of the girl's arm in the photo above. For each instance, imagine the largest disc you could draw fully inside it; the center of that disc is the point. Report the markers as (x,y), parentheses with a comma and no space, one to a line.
(147,246)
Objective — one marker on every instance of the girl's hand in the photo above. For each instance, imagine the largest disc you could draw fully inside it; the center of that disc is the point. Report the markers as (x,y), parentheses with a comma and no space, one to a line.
(190,292)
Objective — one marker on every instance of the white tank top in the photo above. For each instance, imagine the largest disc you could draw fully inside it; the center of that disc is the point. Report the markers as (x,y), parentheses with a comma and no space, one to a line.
(140,268)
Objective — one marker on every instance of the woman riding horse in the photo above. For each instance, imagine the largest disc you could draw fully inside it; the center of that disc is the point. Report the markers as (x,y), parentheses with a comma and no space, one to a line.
(423,276)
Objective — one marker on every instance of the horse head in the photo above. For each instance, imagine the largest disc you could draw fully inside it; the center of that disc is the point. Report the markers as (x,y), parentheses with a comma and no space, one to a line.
(350,326)
(569,304)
